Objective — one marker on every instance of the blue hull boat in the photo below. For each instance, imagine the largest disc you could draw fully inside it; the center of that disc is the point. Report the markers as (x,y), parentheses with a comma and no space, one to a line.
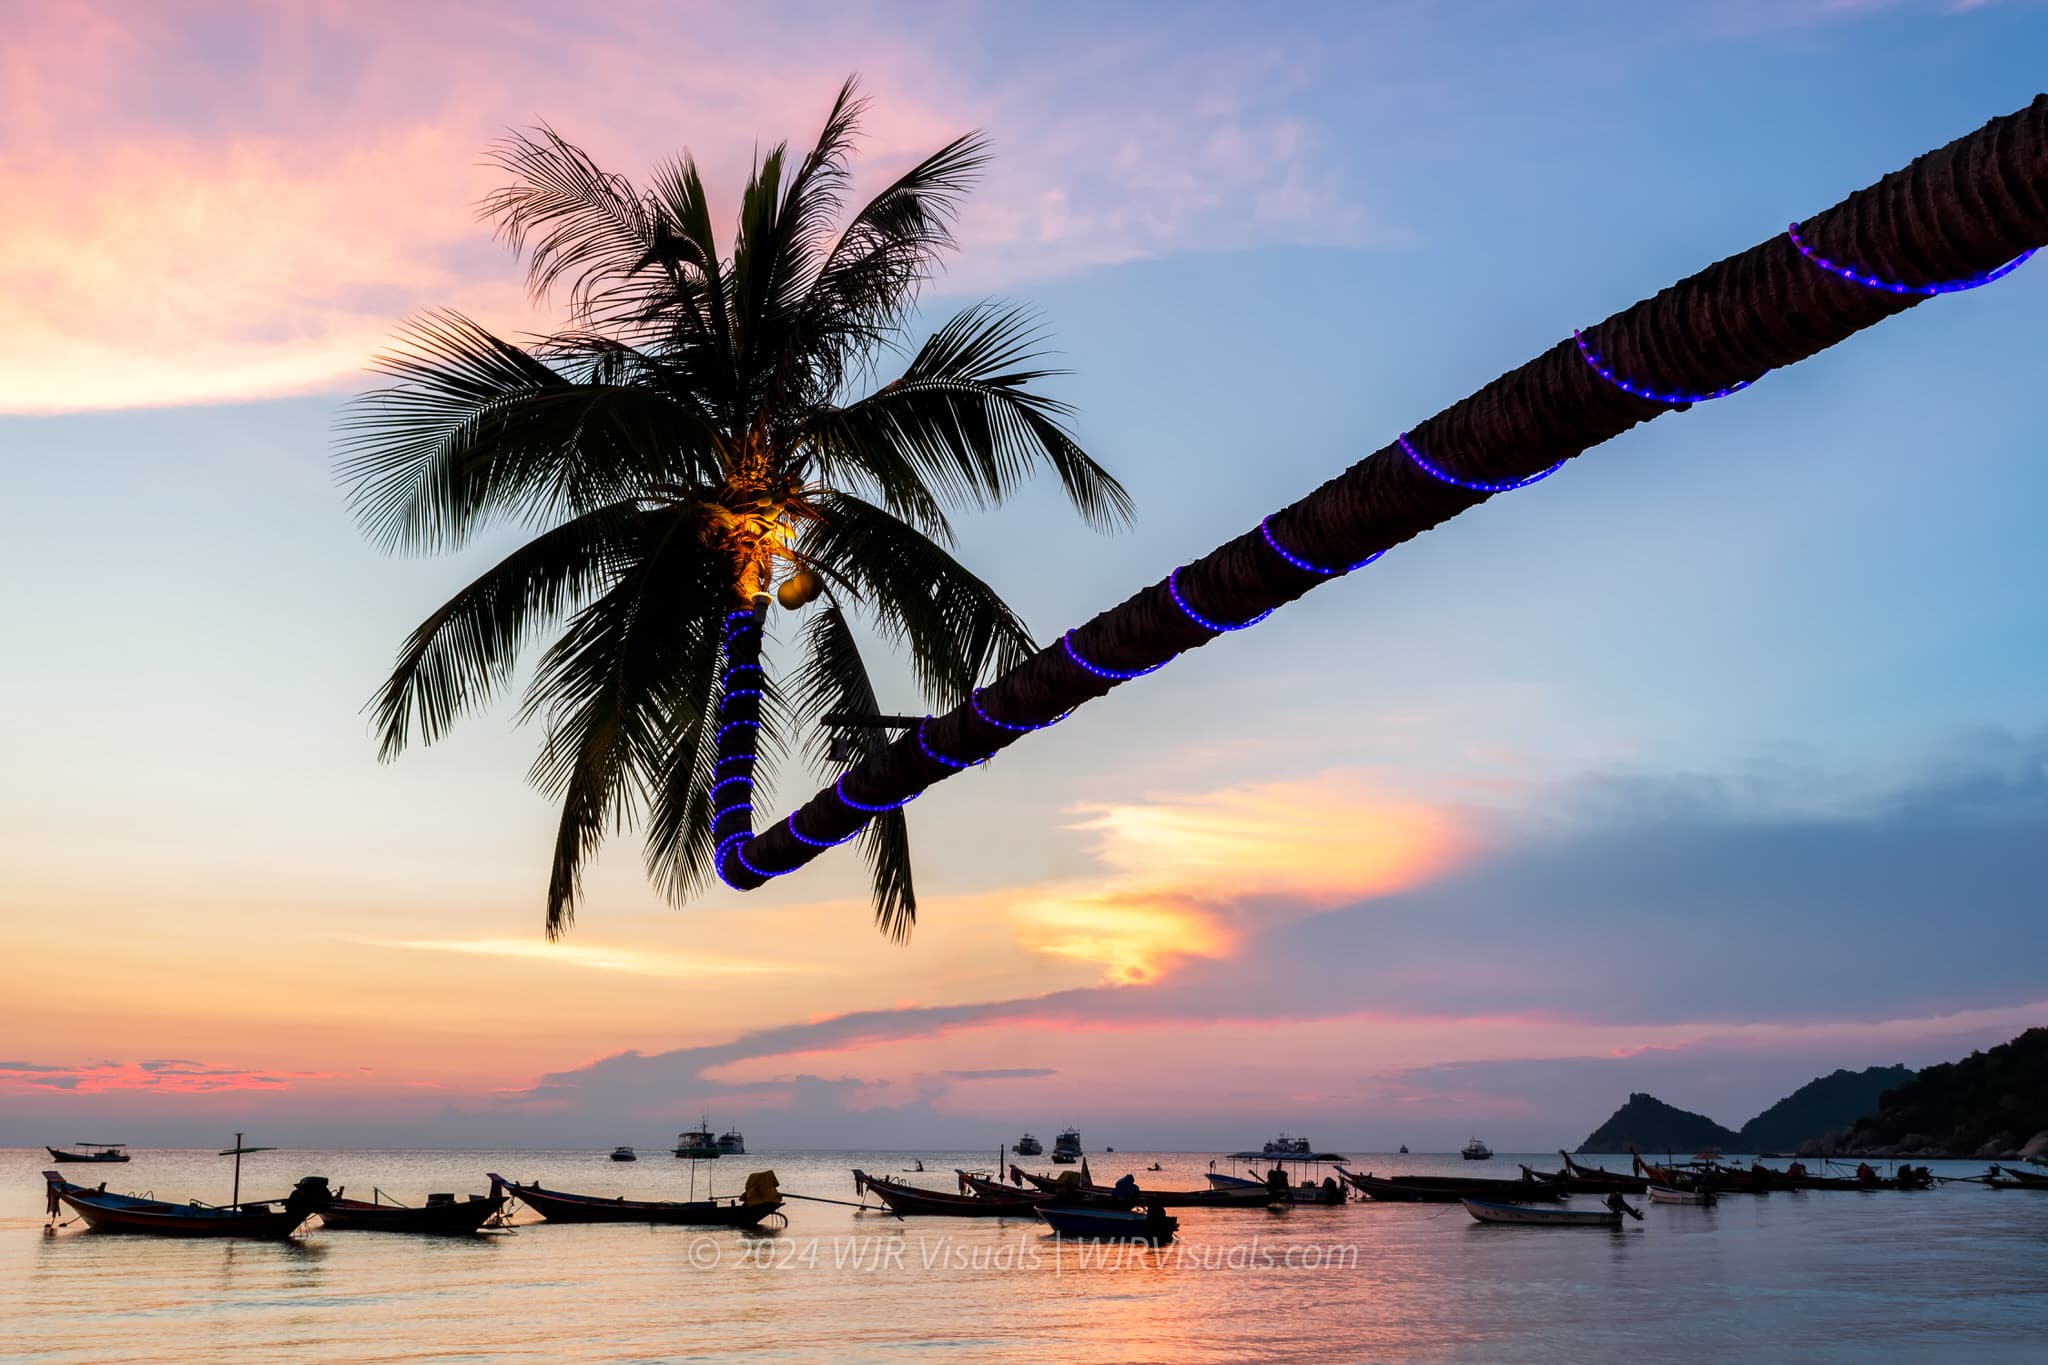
(1111,1225)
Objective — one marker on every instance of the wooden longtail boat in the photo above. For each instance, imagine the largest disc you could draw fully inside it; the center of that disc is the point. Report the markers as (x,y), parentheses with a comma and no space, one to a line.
(1414,1189)
(1152,1225)
(746,1211)
(1588,1184)
(909,1199)
(2026,1180)
(1700,1175)
(264,1218)
(1249,1194)
(95,1153)
(1585,1172)
(441,1215)
(1664,1194)
(987,1187)
(1518,1215)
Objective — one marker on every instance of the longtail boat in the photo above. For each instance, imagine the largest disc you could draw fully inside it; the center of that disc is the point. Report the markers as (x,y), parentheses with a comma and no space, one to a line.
(988,1187)
(96,1153)
(2025,1180)
(1702,1175)
(1588,1184)
(1413,1189)
(746,1211)
(1584,1172)
(1247,1194)
(264,1218)
(1152,1225)
(1486,1211)
(441,1215)
(1663,1194)
(910,1199)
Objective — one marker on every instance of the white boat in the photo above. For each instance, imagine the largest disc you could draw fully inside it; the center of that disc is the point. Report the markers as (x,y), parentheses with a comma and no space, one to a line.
(1526,1215)
(1664,1194)
(1066,1148)
(1028,1146)
(697,1144)
(1475,1150)
(730,1143)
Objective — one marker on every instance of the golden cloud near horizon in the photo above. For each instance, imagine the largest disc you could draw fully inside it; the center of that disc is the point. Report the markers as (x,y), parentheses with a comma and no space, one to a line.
(1190,872)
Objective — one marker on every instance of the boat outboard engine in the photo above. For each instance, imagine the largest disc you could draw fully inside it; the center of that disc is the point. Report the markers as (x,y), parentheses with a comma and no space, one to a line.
(310,1195)
(1620,1205)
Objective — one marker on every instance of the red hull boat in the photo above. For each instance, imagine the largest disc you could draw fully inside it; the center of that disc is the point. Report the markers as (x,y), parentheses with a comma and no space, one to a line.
(557,1207)
(441,1215)
(265,1218)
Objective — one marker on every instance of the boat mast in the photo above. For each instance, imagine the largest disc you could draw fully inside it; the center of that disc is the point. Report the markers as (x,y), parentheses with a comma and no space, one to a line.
(236,1152)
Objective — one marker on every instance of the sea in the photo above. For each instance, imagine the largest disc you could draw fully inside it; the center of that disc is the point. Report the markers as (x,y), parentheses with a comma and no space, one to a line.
(1958,1273)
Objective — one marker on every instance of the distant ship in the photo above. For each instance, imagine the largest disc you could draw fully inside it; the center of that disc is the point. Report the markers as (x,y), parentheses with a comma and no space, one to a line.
(1287,1146)
(624,1154)
(90,1151)
(730,1143)
(1028,1146)
(1404,1149)
(697,1144)
(1066,1148)
(1475,1150)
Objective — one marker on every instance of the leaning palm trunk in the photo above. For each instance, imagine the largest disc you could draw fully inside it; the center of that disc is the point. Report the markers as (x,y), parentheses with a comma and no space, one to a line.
(1953,214)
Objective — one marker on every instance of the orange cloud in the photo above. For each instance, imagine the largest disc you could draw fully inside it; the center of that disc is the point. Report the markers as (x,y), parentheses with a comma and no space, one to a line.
(1188,871)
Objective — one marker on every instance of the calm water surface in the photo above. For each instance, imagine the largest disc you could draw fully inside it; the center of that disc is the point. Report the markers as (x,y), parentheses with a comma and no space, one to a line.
(1955,1274)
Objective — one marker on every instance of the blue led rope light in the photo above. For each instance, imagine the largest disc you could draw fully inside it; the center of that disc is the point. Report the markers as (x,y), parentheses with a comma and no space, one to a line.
(804,838)
(974,698)
(727,782)
(1675,399)
(724,811)
(1445,476)
(737,725)
(1113,674)
(839,790)
(1266,530)
(1219,627)
(935,756)
(1870,281)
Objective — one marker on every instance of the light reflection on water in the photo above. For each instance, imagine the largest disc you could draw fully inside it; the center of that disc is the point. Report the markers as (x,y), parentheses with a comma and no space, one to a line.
(1950,1274)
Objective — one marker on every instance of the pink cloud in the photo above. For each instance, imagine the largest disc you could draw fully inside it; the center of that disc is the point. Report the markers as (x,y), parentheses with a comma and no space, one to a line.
(228,201)
(161,1077)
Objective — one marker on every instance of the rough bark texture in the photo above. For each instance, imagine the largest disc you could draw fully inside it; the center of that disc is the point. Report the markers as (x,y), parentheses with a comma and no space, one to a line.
(1957,212)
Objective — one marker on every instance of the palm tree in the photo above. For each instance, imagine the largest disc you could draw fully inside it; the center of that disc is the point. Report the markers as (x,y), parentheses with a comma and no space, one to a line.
(1961,214)
(692,442)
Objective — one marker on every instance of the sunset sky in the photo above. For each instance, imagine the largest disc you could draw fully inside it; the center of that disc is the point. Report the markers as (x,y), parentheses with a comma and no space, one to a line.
(1712,764)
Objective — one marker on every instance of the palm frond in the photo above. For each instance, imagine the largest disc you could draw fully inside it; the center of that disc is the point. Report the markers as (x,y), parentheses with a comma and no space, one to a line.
(462,655)
(478,429)
(957,629)
(964,419)
(833,677)
(617,689)
(891,246)
(593,227)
